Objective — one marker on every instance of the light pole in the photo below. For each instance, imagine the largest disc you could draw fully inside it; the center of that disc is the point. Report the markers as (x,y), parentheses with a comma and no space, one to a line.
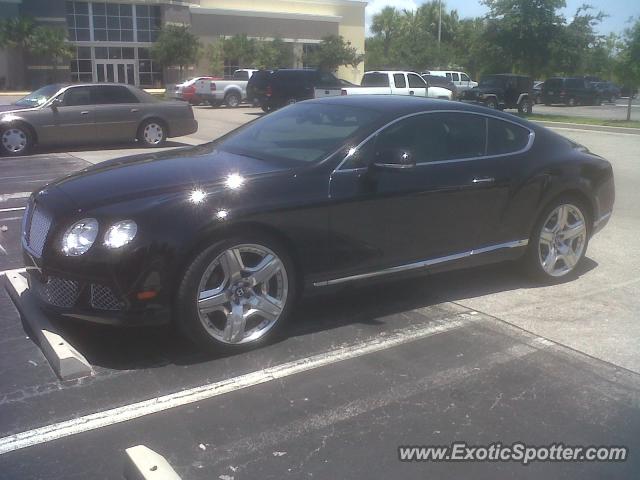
(439,22)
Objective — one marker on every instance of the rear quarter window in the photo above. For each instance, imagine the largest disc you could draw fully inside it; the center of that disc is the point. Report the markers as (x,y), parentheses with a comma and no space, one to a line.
(375,80)
(506,137)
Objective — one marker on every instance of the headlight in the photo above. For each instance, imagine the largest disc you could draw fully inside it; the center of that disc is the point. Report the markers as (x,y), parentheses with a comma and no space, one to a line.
(79,237)
(121,233)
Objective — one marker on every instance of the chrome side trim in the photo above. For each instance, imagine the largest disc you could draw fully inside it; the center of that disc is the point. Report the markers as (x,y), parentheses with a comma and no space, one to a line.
(424,263)
(527,147)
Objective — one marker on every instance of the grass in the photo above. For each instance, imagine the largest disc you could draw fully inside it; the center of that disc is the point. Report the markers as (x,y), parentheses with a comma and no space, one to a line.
(582,120)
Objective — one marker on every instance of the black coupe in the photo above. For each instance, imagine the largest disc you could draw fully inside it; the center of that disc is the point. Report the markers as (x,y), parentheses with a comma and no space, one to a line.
(223,237)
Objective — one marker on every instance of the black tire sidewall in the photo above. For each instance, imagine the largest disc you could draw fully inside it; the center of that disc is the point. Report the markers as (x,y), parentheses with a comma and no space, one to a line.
(186,315)
(531,260)
(26,149)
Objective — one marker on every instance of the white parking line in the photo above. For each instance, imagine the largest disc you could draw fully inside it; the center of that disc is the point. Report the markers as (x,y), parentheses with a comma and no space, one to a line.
(13,209)
(8,196)
(158,404)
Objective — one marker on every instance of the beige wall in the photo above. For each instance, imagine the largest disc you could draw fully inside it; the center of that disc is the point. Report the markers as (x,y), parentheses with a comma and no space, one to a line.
(347,16)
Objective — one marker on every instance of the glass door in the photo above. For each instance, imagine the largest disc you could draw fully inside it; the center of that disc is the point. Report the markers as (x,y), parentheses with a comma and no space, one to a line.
(116,72)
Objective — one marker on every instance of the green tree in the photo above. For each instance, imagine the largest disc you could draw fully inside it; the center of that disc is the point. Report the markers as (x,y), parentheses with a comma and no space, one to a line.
(16,32)
(387,25)
(176,46)
(240,50)
(273,54)
(333,52)
(51,43)
(628,65)
(214,56)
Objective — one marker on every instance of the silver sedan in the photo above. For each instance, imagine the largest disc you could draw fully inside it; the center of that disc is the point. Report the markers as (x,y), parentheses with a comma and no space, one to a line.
(91,113)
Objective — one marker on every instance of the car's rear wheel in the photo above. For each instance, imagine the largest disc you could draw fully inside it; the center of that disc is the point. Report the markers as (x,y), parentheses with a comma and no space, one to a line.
(16,140)
(491,103)
(152,133)
(559,241)
(232,100)
(525,106)
(266,108)
(571,102)
(236,293)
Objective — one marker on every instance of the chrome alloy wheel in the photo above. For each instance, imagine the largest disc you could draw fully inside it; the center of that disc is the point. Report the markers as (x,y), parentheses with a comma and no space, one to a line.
(14,140)
(242,294)
(562,240)
(153,133)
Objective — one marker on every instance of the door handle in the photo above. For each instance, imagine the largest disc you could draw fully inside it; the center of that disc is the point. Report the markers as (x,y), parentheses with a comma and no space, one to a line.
(134,110)
(410,92)
(484,180)
(85,112)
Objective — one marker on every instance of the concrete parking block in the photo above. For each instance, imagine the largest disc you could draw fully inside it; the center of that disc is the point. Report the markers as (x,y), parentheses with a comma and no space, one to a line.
(142,463)
(64,359)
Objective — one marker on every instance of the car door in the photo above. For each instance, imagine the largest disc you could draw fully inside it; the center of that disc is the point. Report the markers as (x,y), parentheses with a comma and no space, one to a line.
(455,78)
(465,82)
(118,112)
(445,205)
(417,85)
(70,119)
(399,84)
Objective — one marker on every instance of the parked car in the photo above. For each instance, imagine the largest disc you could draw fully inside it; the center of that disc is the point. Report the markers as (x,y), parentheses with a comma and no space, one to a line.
(439,81)
(536,91)
(187,90)
(257,86)
(393,83)
(570,91)
(608,91)
(290,85)
(502,91)
(222,238)
(461,80)
(93,113)
(230,92)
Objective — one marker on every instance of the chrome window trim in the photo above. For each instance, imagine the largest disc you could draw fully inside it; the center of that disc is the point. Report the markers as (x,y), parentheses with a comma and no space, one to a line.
(526,148)
(424,263)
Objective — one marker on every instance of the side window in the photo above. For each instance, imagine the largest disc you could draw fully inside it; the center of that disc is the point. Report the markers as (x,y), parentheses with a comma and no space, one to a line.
(242,75)
(448,74)
(328,80)
(464,77)
(455,77)
(415,81)
(505,137)
(399,81)
(77,96)
(437,136)
(108,95)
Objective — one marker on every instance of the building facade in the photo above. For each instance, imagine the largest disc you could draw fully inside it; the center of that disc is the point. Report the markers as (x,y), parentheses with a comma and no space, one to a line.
(112,39)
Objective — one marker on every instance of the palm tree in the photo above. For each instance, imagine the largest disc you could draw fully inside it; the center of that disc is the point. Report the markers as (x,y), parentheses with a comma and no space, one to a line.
(387,24)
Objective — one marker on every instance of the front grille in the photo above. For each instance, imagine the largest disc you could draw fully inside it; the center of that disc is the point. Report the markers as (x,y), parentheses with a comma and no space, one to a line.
(58,291)
(37,230)
(103,298)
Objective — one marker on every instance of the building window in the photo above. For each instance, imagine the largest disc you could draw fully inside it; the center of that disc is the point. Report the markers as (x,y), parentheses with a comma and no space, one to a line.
(78,21)
(81,66)
(148,21)
(150,72)
(112,22)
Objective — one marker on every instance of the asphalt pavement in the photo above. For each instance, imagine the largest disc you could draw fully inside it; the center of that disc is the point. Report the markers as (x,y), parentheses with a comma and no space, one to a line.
(477,355)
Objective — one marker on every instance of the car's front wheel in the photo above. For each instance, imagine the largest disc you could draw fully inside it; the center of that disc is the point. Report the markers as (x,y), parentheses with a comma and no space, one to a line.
(152,133)
(525,106)
(559,240)
(16,140)
(236,293)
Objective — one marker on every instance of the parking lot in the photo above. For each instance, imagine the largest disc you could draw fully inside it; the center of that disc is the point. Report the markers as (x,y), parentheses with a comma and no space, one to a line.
(478,355)
(616,110)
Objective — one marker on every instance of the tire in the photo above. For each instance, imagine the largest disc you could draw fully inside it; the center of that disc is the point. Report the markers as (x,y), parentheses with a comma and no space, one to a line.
(152,133)
(266,108)
(16,140)
(571,102)
(550,240)
(291,101)
(525,106)
(491,103)
(232,100)
(213,271)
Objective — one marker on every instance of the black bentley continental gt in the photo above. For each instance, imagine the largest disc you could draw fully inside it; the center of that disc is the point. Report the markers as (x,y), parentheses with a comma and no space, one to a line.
(222,238)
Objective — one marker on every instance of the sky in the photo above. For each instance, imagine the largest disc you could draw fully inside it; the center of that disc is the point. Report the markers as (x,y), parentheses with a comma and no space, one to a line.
(619,10)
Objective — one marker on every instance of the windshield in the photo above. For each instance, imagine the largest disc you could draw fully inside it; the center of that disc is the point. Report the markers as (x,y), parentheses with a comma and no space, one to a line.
(490,82)
(38,97)
(300,133)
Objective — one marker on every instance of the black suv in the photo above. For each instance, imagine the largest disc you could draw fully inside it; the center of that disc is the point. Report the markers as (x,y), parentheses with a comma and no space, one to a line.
(570,91)
(257,85)
(502,91)
(287,86)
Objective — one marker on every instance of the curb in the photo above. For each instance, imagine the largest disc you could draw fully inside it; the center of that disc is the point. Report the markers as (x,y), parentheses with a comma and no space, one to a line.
(64,359)
(142,463)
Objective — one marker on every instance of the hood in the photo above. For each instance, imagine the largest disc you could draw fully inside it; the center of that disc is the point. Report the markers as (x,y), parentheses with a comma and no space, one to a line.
(11,108)
(174,171)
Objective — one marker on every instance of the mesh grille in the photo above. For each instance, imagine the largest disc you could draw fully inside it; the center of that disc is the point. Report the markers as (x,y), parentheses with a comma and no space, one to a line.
(103,298)
(58,292)
(38,230)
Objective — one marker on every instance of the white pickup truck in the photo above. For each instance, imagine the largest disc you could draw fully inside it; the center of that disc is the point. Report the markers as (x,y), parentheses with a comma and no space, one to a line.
(229,92)
(389,83)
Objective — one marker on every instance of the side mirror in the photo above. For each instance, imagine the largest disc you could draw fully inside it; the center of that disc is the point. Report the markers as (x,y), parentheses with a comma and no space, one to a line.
(55,103)
(394,158)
